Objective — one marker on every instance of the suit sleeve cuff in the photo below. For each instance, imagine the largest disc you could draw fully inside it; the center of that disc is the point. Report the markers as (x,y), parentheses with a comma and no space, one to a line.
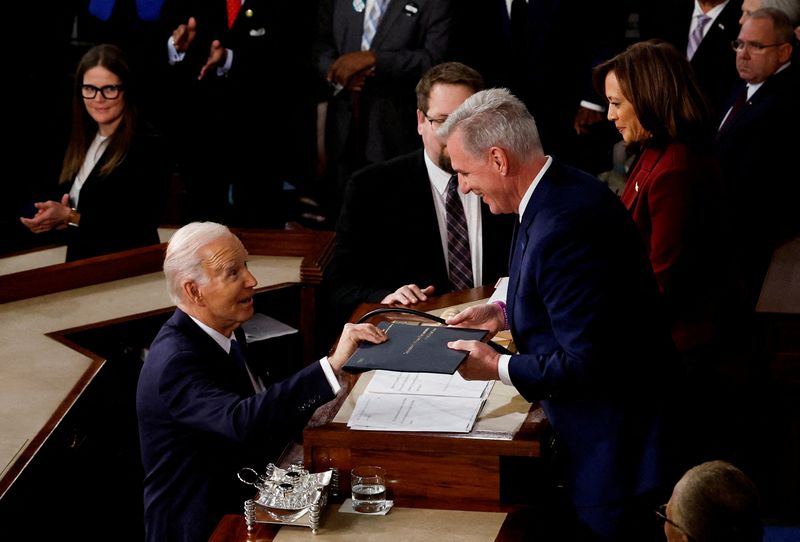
(329,374)
(502,369)
(173,55)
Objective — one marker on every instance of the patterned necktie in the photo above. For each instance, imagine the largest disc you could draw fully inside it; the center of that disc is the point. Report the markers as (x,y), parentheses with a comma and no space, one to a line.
(458,255)
(371,20)
(233,10)
(697,35)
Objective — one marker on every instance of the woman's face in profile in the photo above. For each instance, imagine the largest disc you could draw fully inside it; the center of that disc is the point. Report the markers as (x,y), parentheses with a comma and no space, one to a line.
(106,112)
(621,113)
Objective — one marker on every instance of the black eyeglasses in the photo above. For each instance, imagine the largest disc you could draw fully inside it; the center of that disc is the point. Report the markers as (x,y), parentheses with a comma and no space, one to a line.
(109,92)
(661,514)
(436,122)
(756,47)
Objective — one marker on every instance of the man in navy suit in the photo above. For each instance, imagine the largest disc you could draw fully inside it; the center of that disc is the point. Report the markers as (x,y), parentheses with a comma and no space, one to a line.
(377,227)
(204,413)
(582,306)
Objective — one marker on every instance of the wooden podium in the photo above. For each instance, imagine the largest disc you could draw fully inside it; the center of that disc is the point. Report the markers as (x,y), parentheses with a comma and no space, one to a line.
(481,470)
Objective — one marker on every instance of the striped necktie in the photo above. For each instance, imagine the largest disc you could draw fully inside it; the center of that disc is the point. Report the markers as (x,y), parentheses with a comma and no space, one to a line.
(697,35)
(371,20)
(458,254)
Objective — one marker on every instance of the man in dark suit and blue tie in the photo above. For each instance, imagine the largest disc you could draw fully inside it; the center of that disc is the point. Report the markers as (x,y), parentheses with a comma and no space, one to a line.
(582,306)
(203,412)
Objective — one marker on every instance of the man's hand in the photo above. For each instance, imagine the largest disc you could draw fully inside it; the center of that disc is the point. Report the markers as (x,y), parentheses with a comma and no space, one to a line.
(183,36)
(351,69)
(482,362)
(49,215)
(409,294)
(352,335)
(585,118)
(216,57)
(488,316)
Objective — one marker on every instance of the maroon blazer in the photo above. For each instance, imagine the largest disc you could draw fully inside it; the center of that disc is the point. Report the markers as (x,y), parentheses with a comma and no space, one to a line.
(675,196)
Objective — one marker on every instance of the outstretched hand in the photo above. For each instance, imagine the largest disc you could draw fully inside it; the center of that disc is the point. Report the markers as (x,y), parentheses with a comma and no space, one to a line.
(352,336)
(482,362)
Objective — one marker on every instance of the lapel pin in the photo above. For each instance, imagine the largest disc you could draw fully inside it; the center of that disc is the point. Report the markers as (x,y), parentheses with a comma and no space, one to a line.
(636,186)
(411,9)
(359,5)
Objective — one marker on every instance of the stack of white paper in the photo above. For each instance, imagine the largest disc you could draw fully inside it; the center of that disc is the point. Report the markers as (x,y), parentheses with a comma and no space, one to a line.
(419,402)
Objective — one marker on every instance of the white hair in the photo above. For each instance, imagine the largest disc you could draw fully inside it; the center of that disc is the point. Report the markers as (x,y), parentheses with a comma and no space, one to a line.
(494,118)
(183,261)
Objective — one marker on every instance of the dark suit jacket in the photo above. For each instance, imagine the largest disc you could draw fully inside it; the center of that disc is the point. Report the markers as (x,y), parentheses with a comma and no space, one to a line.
(200,422)
(583,305)
(677,200)
(758,159)
(388,236)
(406,44)
(122,210)
(714,62)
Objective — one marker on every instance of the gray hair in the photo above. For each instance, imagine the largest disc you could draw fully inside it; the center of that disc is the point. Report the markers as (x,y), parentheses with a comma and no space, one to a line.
(784,32)
(716,502)
(183,261)
(790,7)
(494,118)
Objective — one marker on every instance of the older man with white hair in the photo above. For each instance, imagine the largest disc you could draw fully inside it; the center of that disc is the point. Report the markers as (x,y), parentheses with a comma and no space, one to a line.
(203,413)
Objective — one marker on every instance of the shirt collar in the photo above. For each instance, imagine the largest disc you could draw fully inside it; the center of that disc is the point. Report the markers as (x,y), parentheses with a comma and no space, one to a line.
(713,12)
(529,192)
(219,338)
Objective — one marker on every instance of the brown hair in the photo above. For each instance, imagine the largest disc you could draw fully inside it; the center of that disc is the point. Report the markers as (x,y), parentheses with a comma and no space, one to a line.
(660,84)
(84,127)
(447,73)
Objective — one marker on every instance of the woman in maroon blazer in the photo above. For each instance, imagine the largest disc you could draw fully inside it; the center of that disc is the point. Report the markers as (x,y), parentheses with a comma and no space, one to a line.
(674,193)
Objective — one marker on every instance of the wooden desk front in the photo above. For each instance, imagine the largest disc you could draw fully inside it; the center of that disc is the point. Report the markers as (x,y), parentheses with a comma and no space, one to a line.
(469,471)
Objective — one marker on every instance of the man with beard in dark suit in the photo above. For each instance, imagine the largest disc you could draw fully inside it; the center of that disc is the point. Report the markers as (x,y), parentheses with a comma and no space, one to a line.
(392,234)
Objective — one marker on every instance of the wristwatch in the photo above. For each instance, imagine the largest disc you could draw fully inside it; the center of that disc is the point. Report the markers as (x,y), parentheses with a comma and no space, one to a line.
(74,218)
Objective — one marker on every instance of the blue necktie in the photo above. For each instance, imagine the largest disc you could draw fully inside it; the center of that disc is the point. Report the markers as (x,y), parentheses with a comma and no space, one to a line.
(371,20)
(238,357)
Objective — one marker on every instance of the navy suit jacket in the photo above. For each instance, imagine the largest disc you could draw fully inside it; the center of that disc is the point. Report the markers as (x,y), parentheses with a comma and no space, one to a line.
(387,236)
(200,422)
(593,344)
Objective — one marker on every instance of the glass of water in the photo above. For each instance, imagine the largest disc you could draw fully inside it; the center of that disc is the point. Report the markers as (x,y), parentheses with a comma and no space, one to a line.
(368,486)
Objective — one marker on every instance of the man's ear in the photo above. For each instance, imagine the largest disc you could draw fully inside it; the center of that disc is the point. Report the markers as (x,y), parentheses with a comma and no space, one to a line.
(421,120)
(191,292)
(499,160)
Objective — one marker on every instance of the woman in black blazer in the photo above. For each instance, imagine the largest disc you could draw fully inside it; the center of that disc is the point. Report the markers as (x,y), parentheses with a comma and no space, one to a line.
(115,170)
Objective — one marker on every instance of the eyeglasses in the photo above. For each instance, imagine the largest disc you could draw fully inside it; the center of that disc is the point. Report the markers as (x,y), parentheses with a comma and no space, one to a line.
(109,92)
(436,122)
(661,514)
(754,46)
